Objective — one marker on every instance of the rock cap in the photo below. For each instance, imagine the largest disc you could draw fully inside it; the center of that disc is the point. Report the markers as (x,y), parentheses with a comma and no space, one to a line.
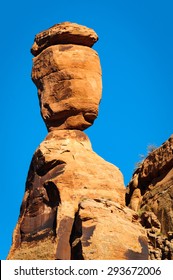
(64,33)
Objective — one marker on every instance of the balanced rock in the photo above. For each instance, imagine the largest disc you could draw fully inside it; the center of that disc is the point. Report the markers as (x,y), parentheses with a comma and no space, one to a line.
(68,78)
(74,201)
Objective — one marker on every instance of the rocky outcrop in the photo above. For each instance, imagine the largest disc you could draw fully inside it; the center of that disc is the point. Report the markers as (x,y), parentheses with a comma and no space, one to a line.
(160,245)
(154,181)
(74,202)
(110,231)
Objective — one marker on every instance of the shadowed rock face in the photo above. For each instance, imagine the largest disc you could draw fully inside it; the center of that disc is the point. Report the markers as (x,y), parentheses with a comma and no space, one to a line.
(153,182)
(74,202)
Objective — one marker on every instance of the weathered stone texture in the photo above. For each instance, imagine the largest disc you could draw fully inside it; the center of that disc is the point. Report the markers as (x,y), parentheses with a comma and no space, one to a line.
(154,180)
(64,170)
(108,231)
(64,33)
(74,201)
(160,246)
(71,195)
(68,78)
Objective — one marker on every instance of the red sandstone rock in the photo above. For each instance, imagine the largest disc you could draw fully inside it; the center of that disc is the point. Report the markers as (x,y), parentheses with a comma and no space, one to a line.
(64,33)
(74,201)
(68,185)
(154,178)
(107,232)
(68,78)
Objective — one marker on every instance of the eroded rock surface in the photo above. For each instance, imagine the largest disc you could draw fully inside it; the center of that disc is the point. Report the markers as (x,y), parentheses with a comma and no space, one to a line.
(105,230)
(68,78)
(64,171)
(64,33)
(154,180)
(74,201)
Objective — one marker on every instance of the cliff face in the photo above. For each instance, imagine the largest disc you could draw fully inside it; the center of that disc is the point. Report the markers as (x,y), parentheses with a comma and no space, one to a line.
(74,202)
(150,193)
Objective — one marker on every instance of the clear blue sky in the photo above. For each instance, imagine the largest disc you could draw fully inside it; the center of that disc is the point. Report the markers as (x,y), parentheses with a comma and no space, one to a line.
(136,52)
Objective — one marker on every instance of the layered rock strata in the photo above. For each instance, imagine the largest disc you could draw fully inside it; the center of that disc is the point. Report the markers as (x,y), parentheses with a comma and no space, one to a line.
(74,202)
(150,193)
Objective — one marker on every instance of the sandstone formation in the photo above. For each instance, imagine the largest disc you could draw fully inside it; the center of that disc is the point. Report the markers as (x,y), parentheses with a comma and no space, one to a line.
(74,202)
(154,180)
(160,245)
(68,78)
(64,33)
(114,232)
